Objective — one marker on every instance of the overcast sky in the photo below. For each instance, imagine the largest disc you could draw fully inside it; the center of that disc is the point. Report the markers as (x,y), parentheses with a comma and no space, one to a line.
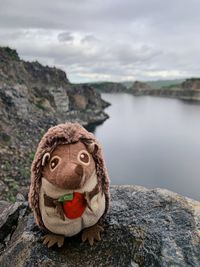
(114,40)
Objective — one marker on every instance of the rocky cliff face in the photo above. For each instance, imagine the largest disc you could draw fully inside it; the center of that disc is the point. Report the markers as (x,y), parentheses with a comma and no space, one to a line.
(33,98)
(189,90)
(16,71)
(191,84)
(143,228)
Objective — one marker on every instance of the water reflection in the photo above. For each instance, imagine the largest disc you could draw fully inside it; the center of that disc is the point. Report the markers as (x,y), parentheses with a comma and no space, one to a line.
(153,142)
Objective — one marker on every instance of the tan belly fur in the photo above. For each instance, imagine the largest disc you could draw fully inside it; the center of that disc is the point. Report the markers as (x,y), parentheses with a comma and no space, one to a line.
(70,227)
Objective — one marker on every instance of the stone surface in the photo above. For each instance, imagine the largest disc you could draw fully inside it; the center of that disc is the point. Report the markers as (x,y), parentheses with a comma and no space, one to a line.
(191,84)
(9,216)
(140,86)
(143,228)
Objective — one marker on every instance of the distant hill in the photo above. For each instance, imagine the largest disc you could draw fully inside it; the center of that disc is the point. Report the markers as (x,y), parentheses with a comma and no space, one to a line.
(116,87)
(185,89)
(188,90)
(108,87)
(164,83)
(156,84)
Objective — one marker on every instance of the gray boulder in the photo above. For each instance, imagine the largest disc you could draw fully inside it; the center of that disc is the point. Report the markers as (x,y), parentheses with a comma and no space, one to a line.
(145,227)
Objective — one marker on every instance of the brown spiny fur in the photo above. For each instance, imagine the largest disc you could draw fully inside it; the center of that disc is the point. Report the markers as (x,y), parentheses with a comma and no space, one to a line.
(64,134)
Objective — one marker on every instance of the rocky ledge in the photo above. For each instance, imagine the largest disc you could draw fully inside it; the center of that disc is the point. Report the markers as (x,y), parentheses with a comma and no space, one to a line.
(145,227)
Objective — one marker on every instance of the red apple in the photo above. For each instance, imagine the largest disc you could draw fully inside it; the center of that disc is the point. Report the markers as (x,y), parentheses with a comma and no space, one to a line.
(75,207)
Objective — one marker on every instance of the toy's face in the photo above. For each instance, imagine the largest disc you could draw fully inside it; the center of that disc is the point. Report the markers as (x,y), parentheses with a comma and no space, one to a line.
(69,166)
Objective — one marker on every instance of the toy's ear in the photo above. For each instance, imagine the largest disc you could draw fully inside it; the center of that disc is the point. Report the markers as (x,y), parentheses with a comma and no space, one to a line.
(91,146)
(45,158)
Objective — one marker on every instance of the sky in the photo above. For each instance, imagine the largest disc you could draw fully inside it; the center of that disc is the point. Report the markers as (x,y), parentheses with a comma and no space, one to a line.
(106,40)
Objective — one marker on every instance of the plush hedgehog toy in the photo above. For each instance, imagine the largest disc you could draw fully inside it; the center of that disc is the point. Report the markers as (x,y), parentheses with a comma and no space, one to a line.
(69,189)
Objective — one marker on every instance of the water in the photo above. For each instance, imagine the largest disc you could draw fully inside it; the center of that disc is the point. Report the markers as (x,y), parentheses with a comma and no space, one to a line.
(153,142)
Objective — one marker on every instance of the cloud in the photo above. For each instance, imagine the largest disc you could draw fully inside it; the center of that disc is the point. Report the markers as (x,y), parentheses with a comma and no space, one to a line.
(65,37)
(89,39)
(108,39)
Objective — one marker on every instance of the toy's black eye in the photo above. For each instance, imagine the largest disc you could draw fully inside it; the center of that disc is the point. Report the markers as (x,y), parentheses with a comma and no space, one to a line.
(84,157)
(54,162)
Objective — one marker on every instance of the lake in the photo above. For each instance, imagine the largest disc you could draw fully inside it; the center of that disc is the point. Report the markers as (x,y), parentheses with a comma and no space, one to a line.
(153,142)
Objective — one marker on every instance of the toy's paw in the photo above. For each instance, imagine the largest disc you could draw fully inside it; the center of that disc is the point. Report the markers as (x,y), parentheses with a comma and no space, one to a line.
(92,233)
(51,239)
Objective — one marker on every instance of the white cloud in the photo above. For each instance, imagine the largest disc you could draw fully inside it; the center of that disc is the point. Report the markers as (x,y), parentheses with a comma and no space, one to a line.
(106,40)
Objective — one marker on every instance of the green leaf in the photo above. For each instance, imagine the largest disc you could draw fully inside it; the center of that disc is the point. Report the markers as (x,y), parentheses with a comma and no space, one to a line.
(66,197)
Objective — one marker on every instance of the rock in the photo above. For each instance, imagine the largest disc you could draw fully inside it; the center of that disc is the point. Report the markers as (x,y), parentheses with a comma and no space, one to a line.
(3,188)
(33,91)
(7,53)
(79,101)
(145,227)
(9,215)
(140,86)
(191,84)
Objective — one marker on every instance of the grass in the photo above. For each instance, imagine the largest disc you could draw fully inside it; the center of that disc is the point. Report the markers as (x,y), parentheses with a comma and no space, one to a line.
(12,189)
